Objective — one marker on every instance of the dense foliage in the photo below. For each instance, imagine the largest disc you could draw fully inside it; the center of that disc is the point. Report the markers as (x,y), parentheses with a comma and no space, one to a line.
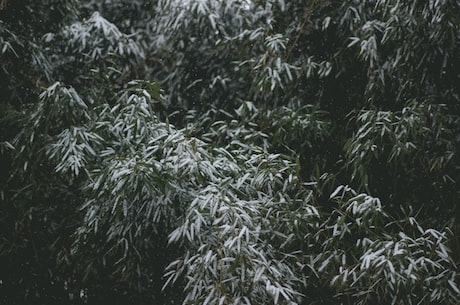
(229,152)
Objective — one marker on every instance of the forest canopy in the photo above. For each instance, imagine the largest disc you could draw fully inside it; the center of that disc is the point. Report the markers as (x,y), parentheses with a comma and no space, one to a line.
(229,152)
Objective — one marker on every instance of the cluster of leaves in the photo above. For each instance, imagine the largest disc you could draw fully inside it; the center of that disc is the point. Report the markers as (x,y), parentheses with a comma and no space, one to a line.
(302,152)
(92,44)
